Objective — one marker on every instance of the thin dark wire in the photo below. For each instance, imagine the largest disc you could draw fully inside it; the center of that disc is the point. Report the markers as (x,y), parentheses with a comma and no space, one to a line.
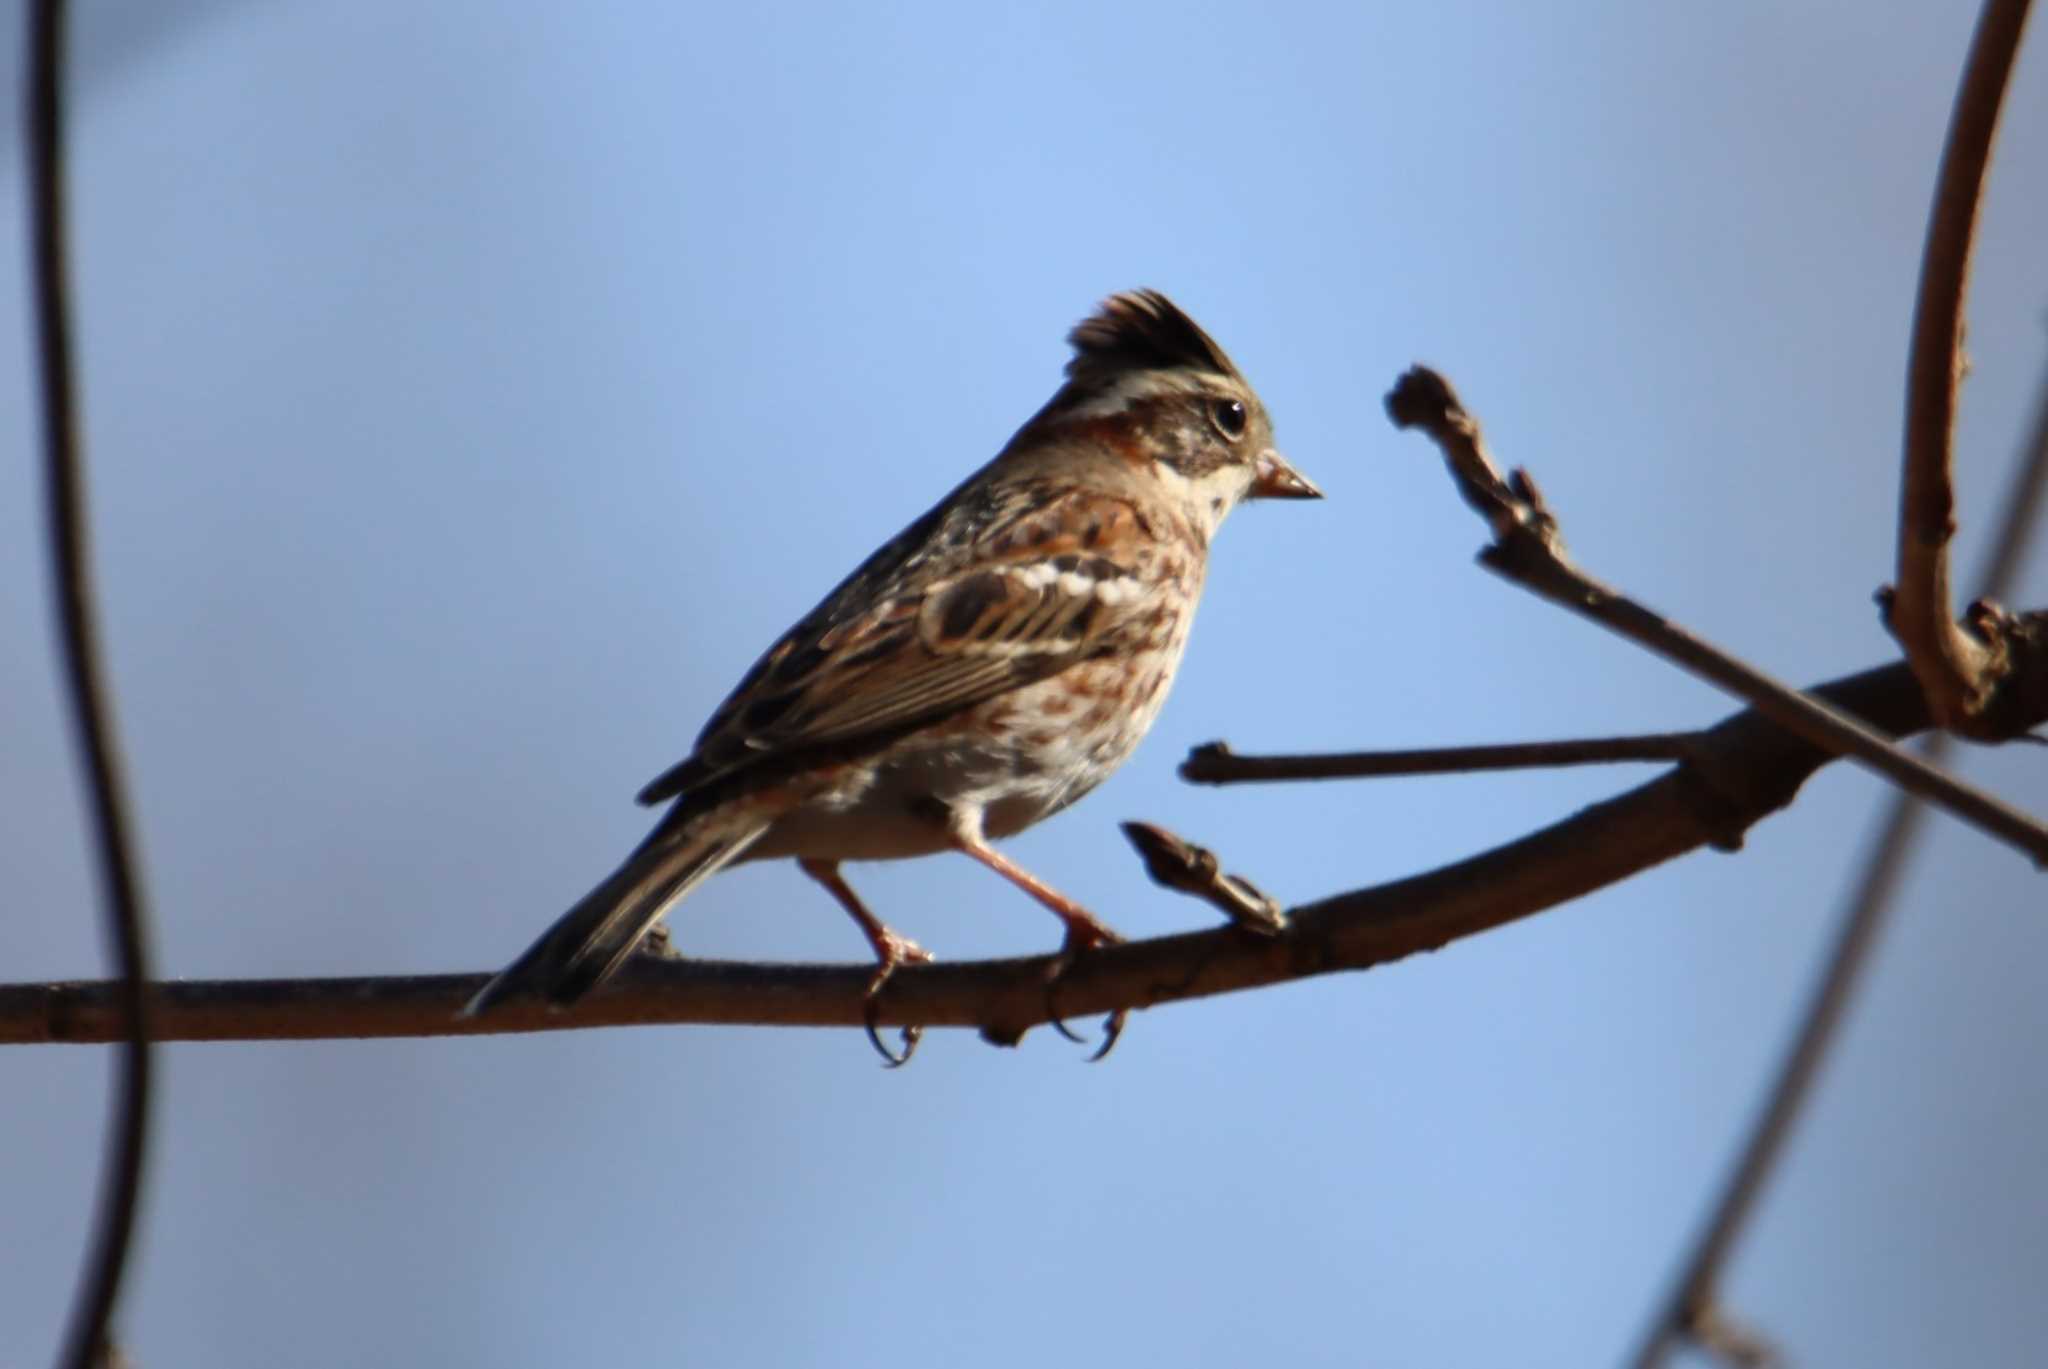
(121,883)
(1861,924)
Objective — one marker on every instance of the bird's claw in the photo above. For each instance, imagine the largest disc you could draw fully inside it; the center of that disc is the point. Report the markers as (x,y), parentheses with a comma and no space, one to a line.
(898,950)
(1112,1028)
(892,1060)
(1082,938)
(1059,1024)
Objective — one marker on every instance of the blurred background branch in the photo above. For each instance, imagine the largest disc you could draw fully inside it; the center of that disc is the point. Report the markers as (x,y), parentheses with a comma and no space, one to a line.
(87,1337)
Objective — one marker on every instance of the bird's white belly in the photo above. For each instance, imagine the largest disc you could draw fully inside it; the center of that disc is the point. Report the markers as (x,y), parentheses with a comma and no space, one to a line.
(899,809)
(1015,764)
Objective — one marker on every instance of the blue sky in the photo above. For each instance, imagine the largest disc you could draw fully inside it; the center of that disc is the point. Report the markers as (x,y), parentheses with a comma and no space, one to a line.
(474,389)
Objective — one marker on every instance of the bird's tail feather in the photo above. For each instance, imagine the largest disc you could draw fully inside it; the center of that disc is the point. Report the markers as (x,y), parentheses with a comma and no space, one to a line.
(593,939)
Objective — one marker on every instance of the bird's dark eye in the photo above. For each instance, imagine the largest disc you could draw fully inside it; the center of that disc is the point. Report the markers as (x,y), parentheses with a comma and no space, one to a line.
(1228,416)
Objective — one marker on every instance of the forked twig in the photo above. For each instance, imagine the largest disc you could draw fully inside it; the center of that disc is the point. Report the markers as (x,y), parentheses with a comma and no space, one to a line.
(1528,549)
(1194,870)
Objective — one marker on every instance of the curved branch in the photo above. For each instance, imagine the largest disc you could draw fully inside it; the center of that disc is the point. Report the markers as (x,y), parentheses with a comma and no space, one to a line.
(71,575)
(1961,671)
(1745,768)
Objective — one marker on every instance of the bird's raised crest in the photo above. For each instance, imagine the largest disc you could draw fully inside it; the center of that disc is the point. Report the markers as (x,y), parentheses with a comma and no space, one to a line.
(1142,330)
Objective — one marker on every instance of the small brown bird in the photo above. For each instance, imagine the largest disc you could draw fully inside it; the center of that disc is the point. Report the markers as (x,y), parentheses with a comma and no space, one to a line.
(994,662)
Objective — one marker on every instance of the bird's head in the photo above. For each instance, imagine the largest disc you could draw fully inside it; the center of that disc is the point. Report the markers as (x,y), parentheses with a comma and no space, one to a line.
(1153,389)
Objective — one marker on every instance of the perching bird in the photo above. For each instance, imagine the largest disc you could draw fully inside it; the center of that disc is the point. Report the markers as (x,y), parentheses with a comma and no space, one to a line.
(991,664)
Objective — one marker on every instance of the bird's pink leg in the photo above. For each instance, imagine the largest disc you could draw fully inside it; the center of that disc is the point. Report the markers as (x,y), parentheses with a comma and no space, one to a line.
(891,948)
(1084,930)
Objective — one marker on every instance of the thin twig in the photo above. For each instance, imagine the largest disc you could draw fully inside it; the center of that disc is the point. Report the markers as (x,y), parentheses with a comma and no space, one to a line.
(1528,550)
(120,877)
(1961,671)
(1216,763)
(1194,870)
(1746,768)
(1695,1294)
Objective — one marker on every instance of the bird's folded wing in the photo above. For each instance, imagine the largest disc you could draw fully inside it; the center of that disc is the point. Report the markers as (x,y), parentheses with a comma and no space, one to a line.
(1037,593)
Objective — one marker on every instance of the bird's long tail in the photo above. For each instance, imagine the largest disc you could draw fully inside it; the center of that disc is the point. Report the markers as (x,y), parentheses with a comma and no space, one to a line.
(593,939)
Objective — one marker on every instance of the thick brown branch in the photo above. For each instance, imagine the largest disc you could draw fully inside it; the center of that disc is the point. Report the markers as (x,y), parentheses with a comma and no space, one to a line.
(1216,763)
(1961,670)
(1746,768)
(1529,551)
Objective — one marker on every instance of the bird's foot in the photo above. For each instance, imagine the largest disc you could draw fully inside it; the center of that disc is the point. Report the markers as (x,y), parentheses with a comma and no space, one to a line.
(1084,934)
(891,949)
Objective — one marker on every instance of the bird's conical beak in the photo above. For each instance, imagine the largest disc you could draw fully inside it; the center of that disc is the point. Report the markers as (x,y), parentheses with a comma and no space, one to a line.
(1274,478)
